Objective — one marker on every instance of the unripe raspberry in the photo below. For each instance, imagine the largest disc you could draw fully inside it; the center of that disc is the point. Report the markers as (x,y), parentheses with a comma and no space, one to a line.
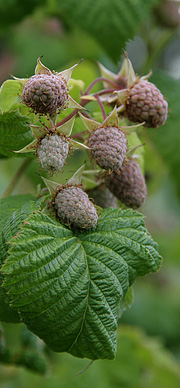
(102,197)
(145,103)
(128,185)
(45,93)
(108,147)
(74,208)
(52,152)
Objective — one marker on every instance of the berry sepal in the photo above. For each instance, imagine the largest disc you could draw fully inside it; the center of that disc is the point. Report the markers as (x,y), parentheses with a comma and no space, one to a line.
(92,125)
(123,78)
(39,132)
(74,180)
(65,75)
(52,145)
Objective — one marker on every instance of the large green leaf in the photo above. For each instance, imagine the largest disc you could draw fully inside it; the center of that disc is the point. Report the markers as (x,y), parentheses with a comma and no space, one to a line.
(167,137)
(68,287)
(15,133)
(9,205)
(8,228)
(14,222)
(111,22)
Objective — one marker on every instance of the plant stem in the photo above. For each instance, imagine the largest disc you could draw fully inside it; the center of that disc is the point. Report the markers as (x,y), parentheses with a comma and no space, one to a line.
(83,103)
(78,135)
(101,106)
(16,177)
(108,81)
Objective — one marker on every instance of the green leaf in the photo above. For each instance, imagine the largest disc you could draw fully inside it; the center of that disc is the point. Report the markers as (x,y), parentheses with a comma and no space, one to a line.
(10,204)
(167,137)
(8,228)
(15,133)
(68,287)
(9,99)
(112,23)
(13,224)
(7,314)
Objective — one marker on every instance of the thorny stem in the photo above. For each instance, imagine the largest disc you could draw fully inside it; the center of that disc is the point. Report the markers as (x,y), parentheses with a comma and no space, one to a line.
(101,106)
(83,103)
(116,86)
(78,135)
(16,177)
(67,117)
(105,91)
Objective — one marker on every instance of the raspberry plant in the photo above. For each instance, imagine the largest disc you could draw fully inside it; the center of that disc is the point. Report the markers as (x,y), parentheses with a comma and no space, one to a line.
(67,264)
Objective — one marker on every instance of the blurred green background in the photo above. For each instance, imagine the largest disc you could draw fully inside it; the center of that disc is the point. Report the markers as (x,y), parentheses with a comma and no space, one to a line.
(64,32)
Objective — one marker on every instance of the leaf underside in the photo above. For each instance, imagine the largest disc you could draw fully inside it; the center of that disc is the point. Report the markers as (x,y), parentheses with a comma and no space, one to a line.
(68,286)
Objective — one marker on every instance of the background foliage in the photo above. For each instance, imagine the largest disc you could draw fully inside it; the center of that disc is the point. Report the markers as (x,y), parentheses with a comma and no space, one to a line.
(64,31)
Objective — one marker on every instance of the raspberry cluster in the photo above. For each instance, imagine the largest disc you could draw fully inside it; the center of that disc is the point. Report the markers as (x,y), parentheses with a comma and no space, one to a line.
(120,177)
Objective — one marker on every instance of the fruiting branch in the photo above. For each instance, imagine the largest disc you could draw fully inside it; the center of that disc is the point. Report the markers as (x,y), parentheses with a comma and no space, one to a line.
(101,106)
(99,79)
